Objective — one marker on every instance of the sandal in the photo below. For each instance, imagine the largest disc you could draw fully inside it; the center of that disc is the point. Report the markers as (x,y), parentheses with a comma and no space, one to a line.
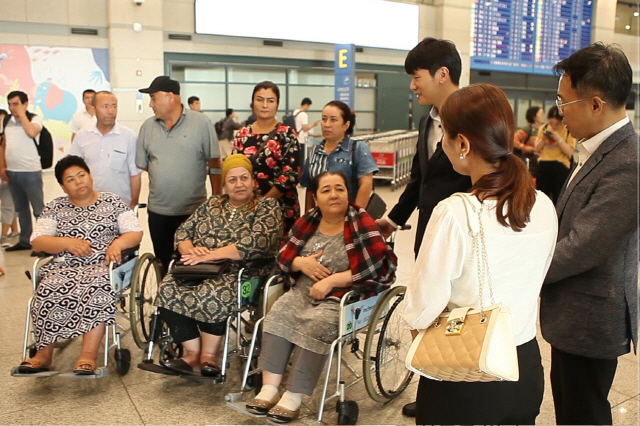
(81,370)
(33,365)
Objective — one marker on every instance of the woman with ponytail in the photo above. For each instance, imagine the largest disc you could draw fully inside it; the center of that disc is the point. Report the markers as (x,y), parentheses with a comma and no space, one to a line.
(519,226)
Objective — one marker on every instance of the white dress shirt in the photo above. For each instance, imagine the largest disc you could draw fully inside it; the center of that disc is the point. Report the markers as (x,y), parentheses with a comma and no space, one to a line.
(434,134)
(82,120)
(445,272)
(586,147)
(111,158)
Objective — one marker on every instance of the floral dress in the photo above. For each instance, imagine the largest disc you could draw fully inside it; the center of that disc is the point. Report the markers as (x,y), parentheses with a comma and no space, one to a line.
(277,164)
(255,229)
(75,294)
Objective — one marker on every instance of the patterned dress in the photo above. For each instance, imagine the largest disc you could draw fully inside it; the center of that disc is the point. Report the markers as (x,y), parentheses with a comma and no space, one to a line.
(275,165)
(255,229)
(75,295)
(299,318)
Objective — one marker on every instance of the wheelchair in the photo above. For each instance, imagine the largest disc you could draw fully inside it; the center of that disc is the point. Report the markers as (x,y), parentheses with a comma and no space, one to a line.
(251,305)
(135,283)
(372,331)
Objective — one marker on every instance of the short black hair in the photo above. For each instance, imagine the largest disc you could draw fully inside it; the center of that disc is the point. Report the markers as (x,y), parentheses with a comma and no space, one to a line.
(599,69)
(69,161)
(229,112)
(315,183)
(93,92)
(192,99)
(554,112)
(3,112)
(23,96)
(306,101)
(266,85)
(531,114)
(345,111)
(432,54)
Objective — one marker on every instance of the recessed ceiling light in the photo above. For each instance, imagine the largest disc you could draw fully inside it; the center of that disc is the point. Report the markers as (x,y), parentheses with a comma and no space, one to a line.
(636,13)
(627,27)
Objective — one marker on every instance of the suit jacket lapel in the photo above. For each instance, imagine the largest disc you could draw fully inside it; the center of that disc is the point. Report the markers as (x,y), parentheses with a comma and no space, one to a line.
(424,145)
(606,146)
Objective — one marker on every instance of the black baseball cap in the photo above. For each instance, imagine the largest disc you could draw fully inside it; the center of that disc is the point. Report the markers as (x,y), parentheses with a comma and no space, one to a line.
(162,84)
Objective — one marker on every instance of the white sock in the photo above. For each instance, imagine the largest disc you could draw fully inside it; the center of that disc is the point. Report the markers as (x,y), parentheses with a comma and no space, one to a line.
(290,401)
(267,393)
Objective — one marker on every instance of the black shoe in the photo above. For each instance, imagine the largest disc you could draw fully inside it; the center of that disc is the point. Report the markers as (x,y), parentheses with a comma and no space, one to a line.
(178,365)
(409,410)
(208,369)
(19,246)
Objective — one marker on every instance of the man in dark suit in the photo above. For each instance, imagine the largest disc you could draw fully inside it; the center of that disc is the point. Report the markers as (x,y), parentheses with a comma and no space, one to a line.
(435,68)
(589,302)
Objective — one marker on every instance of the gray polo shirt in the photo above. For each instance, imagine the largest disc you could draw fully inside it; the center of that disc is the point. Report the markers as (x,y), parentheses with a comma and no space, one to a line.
(177,162)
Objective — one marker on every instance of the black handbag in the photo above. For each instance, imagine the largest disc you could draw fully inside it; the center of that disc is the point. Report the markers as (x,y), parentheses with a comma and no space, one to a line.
(193,275)
(376,207)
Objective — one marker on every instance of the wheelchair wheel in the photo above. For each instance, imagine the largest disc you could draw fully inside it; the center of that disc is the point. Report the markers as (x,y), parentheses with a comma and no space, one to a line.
(385,349)
(123,361)
(144,287)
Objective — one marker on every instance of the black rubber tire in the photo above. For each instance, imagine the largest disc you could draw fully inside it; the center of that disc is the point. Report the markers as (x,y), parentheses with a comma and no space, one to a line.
(123,361)
(347,412)
(141,298)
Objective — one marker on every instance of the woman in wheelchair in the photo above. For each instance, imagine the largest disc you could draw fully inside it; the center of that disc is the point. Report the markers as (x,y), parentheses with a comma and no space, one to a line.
(239,225)
(85,231)
(330,249)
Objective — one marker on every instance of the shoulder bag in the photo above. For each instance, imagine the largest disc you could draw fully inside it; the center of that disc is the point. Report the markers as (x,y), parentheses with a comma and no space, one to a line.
(469,344)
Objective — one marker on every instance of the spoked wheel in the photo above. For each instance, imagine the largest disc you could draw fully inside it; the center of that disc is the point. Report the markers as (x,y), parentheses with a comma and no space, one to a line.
(385,349)
(144,288)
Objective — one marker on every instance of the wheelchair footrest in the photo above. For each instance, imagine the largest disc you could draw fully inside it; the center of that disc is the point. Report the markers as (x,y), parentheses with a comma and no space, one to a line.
(155,368)
(15,373)
(99,374)
(202,379)
(242,407)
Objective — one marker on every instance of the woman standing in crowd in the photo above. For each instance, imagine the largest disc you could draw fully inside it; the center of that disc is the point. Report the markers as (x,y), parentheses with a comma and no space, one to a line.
(556,147)
(332,248)
(274,152)
(336,153)
(524,142)
(478,126)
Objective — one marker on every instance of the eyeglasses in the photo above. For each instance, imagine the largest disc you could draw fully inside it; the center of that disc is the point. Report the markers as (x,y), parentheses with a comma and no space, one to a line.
(561,106)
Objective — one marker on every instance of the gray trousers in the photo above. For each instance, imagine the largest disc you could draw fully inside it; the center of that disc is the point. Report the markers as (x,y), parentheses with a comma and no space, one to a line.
(7,209)
(26,188)
(306,365)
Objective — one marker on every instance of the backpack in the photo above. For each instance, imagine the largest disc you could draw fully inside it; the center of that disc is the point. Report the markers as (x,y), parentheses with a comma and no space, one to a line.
(218,126)
(290,120)
(44,147)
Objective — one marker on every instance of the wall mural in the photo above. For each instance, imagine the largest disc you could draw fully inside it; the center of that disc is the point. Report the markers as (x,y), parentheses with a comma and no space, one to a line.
(54,79)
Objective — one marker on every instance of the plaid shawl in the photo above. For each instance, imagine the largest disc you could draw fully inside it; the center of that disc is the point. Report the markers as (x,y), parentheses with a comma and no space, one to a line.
(370,258)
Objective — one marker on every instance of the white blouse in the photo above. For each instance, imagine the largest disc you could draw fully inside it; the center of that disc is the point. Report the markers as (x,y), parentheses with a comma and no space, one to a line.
(446,273)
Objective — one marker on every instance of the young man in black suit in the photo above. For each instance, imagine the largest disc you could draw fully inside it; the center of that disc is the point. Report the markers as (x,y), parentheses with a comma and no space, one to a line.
(589,301)
(435,68)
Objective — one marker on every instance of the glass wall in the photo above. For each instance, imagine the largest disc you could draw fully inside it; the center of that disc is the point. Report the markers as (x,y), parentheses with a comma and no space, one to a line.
(229,86)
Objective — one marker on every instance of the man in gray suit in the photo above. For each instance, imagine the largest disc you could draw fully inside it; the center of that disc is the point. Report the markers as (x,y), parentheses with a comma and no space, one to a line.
(589,302)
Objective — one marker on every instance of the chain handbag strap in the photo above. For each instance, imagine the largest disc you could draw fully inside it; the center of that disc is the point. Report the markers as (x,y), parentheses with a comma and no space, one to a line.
(480,248)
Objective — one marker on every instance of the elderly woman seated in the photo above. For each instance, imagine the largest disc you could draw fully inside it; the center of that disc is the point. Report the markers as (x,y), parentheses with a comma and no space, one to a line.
(84,231)
(331,248)
(239,225)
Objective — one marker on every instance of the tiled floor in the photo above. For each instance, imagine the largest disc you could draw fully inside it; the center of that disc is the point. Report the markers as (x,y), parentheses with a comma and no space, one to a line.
(145,398)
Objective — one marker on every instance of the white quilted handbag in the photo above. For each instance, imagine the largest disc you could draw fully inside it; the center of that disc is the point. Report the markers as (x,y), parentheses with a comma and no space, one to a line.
(468,344)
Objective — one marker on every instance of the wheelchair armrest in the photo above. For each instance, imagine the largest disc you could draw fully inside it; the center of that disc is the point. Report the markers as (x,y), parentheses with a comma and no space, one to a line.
(129,253)
(42,254)
(365,288)
(258,262)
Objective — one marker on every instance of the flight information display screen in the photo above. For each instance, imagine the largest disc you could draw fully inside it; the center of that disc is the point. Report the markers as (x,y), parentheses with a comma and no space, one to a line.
(528,36)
